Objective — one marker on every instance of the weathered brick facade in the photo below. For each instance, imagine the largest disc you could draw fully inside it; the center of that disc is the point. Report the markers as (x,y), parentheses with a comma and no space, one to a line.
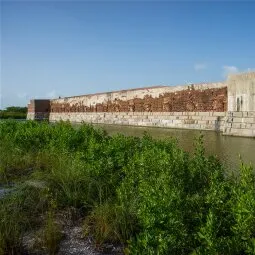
(38,109)
(39,105)
(224,106)
(189,100)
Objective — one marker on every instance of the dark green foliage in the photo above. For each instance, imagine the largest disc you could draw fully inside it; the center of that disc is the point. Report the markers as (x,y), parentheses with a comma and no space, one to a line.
(20,211)
(16,109)
(146,193)
(13,112)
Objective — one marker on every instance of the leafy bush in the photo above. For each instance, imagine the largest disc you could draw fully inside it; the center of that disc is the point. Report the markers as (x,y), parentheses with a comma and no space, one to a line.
(148,194)
(14,113)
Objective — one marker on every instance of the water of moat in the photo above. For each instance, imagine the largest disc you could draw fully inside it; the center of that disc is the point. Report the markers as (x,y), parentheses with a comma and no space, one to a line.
(227,148)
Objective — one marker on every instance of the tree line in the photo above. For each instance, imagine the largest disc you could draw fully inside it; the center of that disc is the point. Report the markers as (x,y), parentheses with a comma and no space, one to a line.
(13,112)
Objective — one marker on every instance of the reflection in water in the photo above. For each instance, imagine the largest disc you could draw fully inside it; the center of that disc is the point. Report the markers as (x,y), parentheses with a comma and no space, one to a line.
(227,148)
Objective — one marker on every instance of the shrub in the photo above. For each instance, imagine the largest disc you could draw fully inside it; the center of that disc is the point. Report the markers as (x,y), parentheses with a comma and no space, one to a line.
(110,222)
(148,194)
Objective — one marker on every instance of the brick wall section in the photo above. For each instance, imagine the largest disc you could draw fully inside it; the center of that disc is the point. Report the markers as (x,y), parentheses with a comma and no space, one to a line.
(38,109)
(189,100)
(39,105)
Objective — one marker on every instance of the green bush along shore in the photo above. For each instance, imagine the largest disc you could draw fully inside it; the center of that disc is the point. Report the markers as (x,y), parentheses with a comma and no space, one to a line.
(14,112)
(147,194)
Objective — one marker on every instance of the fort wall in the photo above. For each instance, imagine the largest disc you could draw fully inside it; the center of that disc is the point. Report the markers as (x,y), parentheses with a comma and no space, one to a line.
(226,107)
(201,97)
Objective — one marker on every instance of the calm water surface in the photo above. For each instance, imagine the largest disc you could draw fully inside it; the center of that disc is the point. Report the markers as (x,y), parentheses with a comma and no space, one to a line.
(227,148)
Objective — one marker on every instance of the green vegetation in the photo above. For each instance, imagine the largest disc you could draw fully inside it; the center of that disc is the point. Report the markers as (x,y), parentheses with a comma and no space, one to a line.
(147,194)
(14,112)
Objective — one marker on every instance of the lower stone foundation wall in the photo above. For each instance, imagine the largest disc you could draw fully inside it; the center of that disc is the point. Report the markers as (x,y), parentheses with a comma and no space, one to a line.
(240,124)
(30,116)
(37,116)
(230,123)
(187,120)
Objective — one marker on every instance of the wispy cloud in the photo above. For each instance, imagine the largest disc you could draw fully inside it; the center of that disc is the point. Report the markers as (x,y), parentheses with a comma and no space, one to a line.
(250,70)
(229,70)
(233,69)
(52,94)
(22,95)
(200,66)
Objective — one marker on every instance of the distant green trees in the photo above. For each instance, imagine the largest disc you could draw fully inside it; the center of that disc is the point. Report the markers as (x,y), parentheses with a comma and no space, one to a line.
(13,112)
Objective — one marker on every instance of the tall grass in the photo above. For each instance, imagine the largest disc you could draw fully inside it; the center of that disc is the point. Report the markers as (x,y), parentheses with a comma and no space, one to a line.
(147,194)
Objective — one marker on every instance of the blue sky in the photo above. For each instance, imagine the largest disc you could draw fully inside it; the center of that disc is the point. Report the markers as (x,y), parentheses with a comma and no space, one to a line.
(64,48)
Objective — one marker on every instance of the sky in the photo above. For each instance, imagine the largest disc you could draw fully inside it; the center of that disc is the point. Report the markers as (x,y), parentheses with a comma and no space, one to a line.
(65,48)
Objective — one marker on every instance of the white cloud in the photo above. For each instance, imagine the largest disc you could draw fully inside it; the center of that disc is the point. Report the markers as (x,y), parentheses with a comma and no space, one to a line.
(250,70)
(229,70)
(200,66)
(52,94)
(22,95)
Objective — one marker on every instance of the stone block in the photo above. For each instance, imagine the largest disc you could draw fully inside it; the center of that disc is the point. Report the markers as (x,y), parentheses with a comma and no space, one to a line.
(251,114)
(203,114)
(246,132)
(249,120)
(196,117)
(202,122)
(237,114)
(177,121)
(210,118)
(238,125)
(166,121)
(219,114)
(238,120)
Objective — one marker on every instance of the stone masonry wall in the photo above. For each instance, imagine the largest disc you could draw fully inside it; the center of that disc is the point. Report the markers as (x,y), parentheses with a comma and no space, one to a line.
(230,123)
(240,124)
(189,120)
(38,116)
(241,92)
